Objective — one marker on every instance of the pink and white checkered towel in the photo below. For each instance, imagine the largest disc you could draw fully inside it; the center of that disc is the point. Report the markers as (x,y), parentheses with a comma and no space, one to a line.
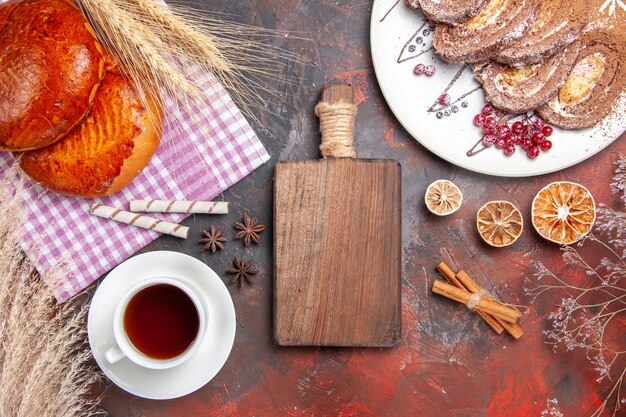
(198,158)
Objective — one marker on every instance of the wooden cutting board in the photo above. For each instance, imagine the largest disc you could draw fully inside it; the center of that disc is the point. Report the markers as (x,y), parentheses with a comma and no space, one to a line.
(337,242)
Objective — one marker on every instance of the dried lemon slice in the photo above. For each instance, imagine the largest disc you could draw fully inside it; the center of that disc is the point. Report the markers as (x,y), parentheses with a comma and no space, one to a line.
(563,212)
(443,197)
(499,223)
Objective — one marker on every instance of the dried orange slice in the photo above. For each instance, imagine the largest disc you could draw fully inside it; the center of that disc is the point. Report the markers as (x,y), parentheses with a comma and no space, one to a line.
(443,197)
(499,223)
(563,212)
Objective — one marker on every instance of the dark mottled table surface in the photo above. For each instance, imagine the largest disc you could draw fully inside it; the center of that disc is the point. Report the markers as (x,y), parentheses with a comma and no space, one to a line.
(449,363)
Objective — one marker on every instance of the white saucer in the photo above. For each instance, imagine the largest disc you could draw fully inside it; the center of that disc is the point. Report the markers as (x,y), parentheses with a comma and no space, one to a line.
(205,362)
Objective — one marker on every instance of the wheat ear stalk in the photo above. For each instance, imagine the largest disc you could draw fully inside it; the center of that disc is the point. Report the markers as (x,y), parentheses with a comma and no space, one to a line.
(202,46)
(161,48)
(45,365)
(138,49)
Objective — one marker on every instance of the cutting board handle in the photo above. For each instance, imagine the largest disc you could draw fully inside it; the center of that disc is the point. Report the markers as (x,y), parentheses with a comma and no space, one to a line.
(337,113)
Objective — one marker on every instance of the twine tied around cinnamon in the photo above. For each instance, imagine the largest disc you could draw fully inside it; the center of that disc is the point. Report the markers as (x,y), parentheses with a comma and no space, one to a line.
(462,288)
(337,127)
(472,303)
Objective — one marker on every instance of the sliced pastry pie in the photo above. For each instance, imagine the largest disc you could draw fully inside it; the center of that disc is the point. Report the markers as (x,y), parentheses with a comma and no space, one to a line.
(50,68)
(107,151)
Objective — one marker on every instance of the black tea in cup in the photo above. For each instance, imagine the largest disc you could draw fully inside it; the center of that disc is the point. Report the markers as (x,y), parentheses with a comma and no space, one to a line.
(161,321)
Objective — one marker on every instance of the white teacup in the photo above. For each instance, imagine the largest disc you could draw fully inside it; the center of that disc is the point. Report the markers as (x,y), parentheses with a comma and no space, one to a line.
(125,347)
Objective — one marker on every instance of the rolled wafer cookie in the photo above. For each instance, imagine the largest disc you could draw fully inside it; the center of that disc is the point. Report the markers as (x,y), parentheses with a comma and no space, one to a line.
(140,220)
(180,206)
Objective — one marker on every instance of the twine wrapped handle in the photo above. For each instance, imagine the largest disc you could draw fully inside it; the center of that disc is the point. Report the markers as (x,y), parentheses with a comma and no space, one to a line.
(337,113)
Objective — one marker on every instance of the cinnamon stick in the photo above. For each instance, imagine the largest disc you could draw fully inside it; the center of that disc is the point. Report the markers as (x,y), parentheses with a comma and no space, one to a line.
(489,306)
(452,279)
(514,329)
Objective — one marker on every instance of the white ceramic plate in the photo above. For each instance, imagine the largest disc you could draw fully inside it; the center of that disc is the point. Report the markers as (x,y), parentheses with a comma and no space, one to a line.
(210,356)
(400,39)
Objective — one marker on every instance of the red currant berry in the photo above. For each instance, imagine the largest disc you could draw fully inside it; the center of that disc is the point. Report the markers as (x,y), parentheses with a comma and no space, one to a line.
(500,143)
(489,140)
(503,130)
(509,150)
(517,139)
(487,130)
(490,122)
(518,127)
(533,152)
(546,145)
(479,120)
(508,137)
(547,131)
(487,110)
(430,71)
(538,138)
(444,99)
(419,69)
(538,124)
(527,143)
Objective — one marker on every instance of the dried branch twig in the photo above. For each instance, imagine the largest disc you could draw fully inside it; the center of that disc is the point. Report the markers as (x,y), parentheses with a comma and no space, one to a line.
(589,314)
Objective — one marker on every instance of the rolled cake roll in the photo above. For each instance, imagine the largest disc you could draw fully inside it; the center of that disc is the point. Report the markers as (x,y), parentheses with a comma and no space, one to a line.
(518,90)
(451,12)
(499,24)
(558,25)
(596,81)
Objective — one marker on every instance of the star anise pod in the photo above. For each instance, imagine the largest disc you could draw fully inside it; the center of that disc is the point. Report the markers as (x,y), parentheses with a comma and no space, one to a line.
(249,229)
(242,271)
(212,240)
